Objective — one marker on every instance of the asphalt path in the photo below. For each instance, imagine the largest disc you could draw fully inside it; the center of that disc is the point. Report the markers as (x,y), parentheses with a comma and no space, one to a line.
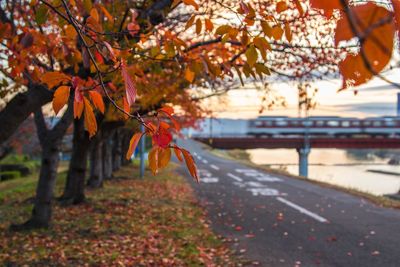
(273,220)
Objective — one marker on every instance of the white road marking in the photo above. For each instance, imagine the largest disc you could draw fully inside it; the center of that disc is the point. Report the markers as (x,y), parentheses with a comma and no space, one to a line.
(302,210)
(214,167)
(205,161)
(265,191)
(235,177)
(268,179)
(199,157)
(209,180)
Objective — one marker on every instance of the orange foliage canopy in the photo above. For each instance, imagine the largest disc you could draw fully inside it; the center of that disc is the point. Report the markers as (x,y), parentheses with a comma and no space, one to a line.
(139,59)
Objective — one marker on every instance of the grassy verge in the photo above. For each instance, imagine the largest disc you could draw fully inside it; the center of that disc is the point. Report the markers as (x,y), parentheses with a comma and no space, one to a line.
(130,222)
(244,158)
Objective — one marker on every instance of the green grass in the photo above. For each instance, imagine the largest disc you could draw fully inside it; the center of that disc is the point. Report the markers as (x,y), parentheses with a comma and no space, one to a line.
(154,221)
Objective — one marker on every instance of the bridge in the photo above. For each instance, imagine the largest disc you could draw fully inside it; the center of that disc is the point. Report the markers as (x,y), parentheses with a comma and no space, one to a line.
(303,134)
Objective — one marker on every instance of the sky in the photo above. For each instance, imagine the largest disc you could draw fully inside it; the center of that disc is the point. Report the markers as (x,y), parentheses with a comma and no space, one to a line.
(376,98)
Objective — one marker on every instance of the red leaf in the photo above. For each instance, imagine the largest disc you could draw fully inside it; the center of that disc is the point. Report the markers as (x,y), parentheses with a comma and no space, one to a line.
(129,85)
(162,138)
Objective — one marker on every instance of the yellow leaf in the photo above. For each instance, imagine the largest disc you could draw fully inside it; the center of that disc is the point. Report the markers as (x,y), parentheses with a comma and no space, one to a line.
(133,144)
(51,79)
(97,100)
(90,118)
(164,157)
(251,55)
(60,98)
(221,30)
(189,75)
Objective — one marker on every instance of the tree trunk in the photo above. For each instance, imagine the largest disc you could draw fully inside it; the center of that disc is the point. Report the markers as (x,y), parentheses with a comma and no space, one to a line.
(74,191)
(96,162)
(125,146)
(50,141)
(20,107)
(107,156)
(41,214)
(117,150)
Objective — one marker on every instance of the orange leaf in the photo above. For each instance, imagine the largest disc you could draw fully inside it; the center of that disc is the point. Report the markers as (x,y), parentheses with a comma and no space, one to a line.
(94,14)
(281,6)
(60,98)
(376,47)
(251,55)
(167,109)
(90,118)
(133,144)
(51,79)
(198,26)
(178,153)
(326,5)
(164,157)
(209,25)
(106,13)
(97,100)
(153,160)
(299,7)
(191,3)
(190,164)
(288,32)
(189,75)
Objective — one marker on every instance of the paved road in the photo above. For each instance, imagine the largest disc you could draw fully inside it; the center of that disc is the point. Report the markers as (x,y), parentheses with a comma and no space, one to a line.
(280,221)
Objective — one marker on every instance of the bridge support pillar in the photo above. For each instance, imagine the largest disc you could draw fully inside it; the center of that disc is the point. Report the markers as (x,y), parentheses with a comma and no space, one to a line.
(303,161)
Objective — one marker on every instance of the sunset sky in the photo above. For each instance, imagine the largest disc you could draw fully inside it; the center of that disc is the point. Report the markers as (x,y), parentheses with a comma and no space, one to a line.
(376,98)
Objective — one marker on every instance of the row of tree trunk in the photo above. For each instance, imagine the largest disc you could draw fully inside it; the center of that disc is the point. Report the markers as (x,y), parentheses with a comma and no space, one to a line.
(104,154)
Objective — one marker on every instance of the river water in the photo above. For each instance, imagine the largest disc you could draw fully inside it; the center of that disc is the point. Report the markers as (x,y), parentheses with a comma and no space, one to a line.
(351,169)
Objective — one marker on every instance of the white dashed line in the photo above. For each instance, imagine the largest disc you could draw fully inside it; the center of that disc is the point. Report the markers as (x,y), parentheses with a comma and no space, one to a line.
(214,167)
(235,177)
(205,161)
(302,210)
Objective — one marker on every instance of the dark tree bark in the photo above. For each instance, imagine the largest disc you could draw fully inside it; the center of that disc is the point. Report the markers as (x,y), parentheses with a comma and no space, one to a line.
(50,141)
(20,107)
(117,150)
(96,162)
(125,146)
(107,154)
(74,191)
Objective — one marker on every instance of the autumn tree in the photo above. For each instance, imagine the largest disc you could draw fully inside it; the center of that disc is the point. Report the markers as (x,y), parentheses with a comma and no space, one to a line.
(145,58)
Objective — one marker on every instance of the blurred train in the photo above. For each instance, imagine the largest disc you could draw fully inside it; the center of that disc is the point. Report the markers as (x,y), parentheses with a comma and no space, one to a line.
(324,126)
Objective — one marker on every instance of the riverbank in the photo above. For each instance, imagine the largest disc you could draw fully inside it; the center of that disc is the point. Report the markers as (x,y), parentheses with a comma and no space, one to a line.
(243,157)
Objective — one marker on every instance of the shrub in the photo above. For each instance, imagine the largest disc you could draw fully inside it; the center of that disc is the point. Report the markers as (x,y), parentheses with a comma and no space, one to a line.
(9,175)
